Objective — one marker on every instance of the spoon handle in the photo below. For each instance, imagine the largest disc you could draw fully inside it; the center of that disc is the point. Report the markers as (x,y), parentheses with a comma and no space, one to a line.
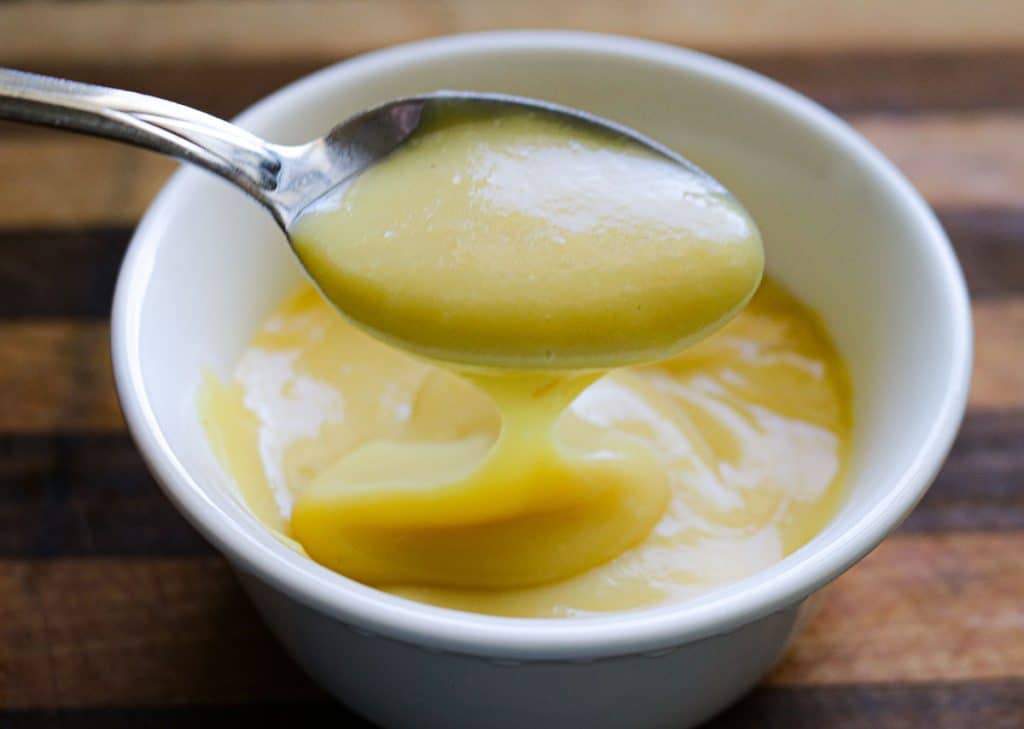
(144,121)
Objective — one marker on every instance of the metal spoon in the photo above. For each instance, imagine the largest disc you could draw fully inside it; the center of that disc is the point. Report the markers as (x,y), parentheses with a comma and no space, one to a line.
(290,179)
(283,178)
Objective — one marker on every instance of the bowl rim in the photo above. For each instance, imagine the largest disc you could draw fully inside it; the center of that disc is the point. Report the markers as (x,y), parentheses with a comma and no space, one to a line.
(626,633)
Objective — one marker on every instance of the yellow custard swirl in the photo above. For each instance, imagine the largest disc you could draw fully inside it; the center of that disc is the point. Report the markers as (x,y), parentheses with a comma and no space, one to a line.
(748,432)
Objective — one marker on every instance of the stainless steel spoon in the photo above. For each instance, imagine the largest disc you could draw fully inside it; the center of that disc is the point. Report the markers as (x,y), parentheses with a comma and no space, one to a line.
(283,178)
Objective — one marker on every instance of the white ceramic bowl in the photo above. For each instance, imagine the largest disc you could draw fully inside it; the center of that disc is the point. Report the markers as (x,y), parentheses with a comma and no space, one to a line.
(843,229)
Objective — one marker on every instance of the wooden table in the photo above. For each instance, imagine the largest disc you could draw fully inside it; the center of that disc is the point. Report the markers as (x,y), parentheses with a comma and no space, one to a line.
(114,613)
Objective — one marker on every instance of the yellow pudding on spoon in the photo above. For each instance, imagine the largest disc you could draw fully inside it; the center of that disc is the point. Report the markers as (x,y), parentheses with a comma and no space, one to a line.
(532,253)
(516,240)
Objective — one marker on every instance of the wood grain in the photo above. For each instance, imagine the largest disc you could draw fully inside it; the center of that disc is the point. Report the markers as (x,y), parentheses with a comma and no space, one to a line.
(942,608)
(898,81)
(96,632)
(852,81)
(87,495)
(981,485)
(990,246)
(957,160)
(79,263)
(251,715)
(998,356)
(961,160)
(269,29)
(988,704)
(55,375)
(65,180)
(133,632)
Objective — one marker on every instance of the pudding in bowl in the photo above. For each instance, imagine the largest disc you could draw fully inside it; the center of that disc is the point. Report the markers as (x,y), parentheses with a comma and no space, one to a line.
(535,253)
(843,233)
(748,429)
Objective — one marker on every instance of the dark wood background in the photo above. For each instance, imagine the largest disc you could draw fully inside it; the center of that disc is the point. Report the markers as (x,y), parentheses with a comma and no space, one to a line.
(114,613)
